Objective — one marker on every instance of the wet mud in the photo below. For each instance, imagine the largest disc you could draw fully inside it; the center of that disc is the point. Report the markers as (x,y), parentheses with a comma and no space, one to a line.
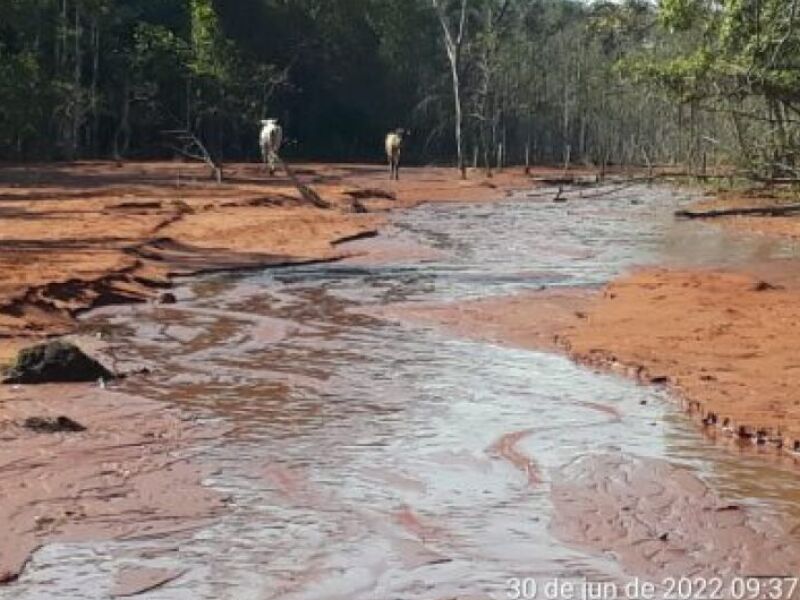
(370,456)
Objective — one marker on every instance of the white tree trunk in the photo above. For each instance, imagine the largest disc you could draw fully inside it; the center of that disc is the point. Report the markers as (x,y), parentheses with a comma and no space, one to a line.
(453,43)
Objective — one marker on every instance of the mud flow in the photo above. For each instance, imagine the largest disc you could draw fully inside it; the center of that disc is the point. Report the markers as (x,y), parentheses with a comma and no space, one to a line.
(371,459)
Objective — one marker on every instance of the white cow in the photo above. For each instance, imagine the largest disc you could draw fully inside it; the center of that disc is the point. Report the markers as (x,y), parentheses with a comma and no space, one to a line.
(394,143)
(270,141)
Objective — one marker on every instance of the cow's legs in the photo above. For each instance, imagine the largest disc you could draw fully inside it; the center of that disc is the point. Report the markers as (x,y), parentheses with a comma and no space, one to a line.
(265,157)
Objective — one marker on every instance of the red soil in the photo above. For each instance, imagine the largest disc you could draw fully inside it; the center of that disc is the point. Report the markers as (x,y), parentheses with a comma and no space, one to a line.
(81,235)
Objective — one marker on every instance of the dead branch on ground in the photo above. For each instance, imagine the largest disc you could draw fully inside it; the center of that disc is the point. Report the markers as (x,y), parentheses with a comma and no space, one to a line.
(193,148)
(759,211)
(308,194)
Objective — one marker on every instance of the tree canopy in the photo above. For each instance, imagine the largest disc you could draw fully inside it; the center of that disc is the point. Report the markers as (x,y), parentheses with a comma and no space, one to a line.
(685,81)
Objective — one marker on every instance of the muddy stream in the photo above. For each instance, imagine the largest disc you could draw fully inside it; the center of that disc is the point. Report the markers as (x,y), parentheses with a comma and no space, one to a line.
(370,459)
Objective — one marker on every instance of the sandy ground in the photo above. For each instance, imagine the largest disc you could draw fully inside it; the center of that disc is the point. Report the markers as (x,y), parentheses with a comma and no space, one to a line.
(80,236)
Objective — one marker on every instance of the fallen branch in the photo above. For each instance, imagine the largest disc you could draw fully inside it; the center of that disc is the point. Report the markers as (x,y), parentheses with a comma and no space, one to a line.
(565,180)
(306,192)
(761,211)
(193,148)
(609,189)
(776,180)
(371,193)
(579,188)
(603,189)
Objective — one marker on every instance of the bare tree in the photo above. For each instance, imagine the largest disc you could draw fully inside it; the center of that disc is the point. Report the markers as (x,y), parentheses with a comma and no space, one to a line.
(453,34)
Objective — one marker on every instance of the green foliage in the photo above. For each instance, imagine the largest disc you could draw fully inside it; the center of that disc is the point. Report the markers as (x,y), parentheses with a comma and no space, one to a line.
(618,80)
(681,15)
(20,112)
(99,77)
(738,59)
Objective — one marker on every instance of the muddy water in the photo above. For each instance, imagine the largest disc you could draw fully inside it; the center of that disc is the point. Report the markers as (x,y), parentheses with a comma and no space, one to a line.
(376,460)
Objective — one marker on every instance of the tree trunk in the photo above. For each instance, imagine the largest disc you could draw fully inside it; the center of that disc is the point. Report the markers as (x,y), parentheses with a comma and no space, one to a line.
(124,128)
(95,128)
(565,122)
(459,119)
(77,107)
(503,148)
(528,157)
(453,43)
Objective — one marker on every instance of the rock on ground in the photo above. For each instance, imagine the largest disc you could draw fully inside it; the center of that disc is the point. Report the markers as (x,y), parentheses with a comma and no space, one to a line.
(55,361)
